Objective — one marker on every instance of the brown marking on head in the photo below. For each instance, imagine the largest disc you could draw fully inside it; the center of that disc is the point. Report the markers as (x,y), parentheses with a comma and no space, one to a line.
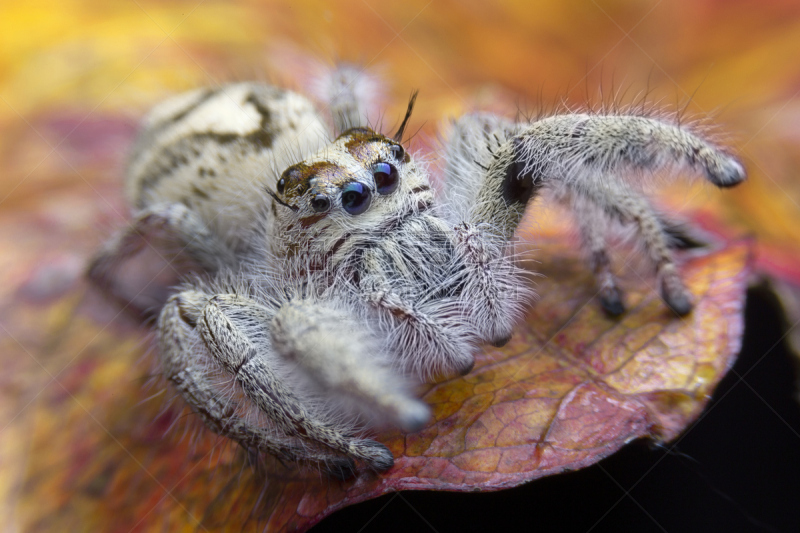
(296,180)
(361,142)
(307,222)
(364,144)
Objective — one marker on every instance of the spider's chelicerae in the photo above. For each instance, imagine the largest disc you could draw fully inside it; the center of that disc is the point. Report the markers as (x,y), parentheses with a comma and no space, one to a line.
(331,275)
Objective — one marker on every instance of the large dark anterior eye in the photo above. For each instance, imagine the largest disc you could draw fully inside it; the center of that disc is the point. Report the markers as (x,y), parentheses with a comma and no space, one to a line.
(385,177)
(355,198)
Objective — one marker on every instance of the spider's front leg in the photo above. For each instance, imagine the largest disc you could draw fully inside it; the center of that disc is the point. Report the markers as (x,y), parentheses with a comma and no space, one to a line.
(493,285)
(227,353)
(430,329)
(187,370)
(588,158)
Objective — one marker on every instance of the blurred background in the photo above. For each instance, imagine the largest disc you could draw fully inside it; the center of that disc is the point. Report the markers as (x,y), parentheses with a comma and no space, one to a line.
(76,76)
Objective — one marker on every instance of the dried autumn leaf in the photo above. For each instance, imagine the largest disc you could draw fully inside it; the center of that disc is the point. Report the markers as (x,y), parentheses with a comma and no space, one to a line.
(571,388)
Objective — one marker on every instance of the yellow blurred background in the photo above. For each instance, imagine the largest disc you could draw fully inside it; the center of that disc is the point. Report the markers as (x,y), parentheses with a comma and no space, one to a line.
(75,76)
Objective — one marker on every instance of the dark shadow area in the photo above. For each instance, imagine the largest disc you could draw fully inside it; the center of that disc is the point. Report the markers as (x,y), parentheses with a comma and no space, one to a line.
(736,469)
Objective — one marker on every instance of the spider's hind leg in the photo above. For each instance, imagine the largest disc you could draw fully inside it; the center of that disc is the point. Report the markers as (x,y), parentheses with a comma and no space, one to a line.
(347,90)
(592,224)
(629,207)
(180,226)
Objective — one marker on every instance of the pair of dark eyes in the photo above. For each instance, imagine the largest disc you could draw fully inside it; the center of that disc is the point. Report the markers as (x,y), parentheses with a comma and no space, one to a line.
(357,197)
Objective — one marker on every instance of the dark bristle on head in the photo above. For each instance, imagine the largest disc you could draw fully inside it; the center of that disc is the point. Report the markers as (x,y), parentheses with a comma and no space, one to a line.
(398,137)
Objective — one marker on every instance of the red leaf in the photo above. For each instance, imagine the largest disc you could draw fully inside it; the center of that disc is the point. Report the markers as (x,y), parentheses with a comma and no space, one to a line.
(572,388)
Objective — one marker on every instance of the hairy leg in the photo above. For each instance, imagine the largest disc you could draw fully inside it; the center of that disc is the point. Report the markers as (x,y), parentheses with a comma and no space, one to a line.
(580,151)
(590,156)
(245,356)
(179,224)
(592,224)
(346,88)
(433,336)
(630,207)
(307,363)
(187,370)
(469,151)
(494,286)
(587,147)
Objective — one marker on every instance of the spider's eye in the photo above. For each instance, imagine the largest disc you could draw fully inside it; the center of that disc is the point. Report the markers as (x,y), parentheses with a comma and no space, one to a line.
(320,203)
(355,198)
(398,152)
(281,185)
(385,177)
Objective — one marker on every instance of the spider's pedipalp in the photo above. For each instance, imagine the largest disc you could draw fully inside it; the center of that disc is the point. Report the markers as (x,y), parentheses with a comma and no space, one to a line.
(342,355)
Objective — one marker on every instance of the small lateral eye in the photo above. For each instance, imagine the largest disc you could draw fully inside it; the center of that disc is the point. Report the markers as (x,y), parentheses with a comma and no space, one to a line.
(356,198)
(386,177)
(281,185)
(320,203)
(398,152)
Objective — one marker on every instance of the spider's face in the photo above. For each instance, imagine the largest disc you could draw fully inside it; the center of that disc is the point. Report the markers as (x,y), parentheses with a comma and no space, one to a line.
(360,181)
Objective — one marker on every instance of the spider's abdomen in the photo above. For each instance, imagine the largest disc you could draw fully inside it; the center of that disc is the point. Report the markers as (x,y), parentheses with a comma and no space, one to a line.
(215,151)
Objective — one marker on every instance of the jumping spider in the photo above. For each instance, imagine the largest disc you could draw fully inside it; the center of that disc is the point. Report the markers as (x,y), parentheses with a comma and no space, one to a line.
(330,275)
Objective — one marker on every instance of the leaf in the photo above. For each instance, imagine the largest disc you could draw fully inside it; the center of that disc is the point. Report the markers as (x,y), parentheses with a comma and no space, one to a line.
(570,388)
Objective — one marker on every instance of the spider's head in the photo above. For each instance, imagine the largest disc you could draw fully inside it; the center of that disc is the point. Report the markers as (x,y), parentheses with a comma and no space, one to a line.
(358,183)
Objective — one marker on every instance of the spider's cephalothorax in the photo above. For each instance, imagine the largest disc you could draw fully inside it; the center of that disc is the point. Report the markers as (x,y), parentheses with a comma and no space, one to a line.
(330,274)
